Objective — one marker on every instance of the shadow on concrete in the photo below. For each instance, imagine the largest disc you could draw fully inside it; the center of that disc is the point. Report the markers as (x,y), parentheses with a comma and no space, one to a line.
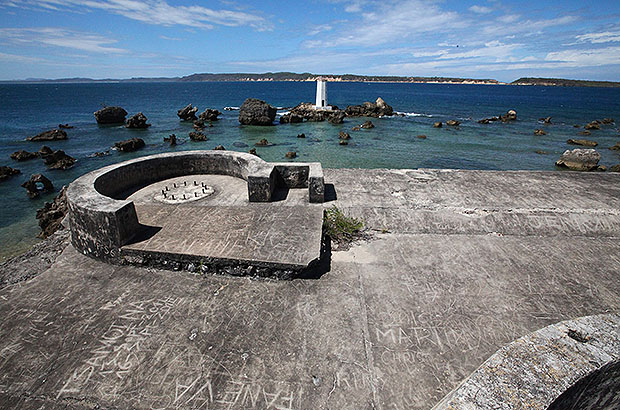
(145,233)
(280,194)
(330,193)
(317,268)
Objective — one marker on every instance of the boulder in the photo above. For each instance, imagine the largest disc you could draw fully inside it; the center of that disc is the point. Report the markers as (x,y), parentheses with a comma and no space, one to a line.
(344,135)
(65,126)
(23,155)
(453,123)
(343,142)
(51,215)
(130,145)
(58,160)
(291,154)
(209,115)
(7,172)
(336,118)
(368,109)
(44,151)
(539,132)
(51,135)
(197,136)
(256,112)
(579,159)
(438,124)
(594,125)
(545,120)
(422,137)
(188,113)
(607,121)
(511,115)
(614,168)
(291,118)
(253,151)
(615,147)
(367,125)
(586,132)
(110,115)
(138,121)
(220,148)
(586,143)
(262,143)
(171,139)
(37,184)
(302,135)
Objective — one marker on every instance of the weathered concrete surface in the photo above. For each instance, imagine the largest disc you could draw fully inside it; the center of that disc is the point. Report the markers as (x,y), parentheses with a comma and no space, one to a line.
(397,322)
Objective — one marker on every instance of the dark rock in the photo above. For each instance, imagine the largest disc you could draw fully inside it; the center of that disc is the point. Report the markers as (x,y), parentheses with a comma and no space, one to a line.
(291,154)
(585,133)
(110,115)
(7,172)
(615,147)
(576,126)
(453,123)
(368,109)
(601,168)
(539,132)
(199,125)
(356,128)
(594,125)
(545,120)
(130,145)
(52,214)
(58,160)
(586,143)
(22,155)
(172,139)
(607,121)
(302,135)
(240,144)
(291,118)
(138,121)
(38,184)
(51,135)
(579,159)
(187,113)
(367,125)
(65,126)
(541,152)
(511,115)
(209,115)
(220,148)
(256,112)
(262,143)
(614,168)
(422,137)
(343,142)
(197,136)
(438,124)
(101,154)
(253,151)
(336,118)
(344,135)
(44,151)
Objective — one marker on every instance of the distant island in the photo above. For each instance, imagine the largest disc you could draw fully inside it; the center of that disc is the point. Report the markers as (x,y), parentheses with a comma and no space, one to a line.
(289,76)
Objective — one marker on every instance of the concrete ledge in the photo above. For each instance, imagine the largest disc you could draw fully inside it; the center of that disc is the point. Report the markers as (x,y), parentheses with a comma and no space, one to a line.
(571,364)
(102,220)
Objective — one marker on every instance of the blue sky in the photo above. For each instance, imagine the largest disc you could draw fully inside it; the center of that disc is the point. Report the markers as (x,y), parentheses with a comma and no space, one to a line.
(478,39)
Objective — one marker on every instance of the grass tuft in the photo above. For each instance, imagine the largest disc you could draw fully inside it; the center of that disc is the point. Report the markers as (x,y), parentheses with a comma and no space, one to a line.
(339,227)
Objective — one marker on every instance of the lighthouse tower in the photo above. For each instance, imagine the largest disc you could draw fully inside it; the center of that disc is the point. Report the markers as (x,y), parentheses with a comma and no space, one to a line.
(321,94)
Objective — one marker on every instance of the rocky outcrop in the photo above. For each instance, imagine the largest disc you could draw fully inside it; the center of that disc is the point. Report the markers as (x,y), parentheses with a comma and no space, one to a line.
(58,160)
(188,113)
(368,109)
(38,184)
(511,115)
(545,120)
(253,151)
(579,159)
(209,115)
(291,154)
(171,139)
(220,148)
(291,118)
(44,151)
(130,145)
(438,124)
(585,133)
(302,135)
(262,143)
(256,112)
(608,121)
(65,126)
(585,143)
(7,172)
(51,135)
(111,115)
(614,168)
(138,121)
(615,147)
(539,132)
(594,125)
(23,155)
(367,125)
(51,215)
(453,123)
(197,136)
(336,118)
(344,135)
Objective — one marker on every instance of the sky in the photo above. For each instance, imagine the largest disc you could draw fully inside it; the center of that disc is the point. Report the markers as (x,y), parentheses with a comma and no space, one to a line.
(496,39)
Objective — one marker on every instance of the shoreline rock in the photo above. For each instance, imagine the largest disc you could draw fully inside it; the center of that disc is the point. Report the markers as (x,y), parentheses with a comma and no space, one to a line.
(256,112)
(138,121)
(51,135)
(32,185)
(110,115)
(51,215)
(130,145)
(187,113)
(579,159)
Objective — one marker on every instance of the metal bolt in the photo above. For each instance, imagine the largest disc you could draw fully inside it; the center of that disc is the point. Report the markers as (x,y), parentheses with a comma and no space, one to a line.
(166,187)
(175,184)
(195,183)
(172,196)
(165,195)
(185,182)
(183,196)
(195,194)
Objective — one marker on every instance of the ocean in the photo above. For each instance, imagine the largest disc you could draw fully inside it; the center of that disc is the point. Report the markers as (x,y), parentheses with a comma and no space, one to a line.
(27,109)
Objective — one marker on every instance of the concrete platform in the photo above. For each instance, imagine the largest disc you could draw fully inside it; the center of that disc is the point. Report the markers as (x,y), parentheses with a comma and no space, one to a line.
(461,264)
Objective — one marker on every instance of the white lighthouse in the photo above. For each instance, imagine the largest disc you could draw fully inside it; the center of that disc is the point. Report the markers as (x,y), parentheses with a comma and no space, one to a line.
(321,94)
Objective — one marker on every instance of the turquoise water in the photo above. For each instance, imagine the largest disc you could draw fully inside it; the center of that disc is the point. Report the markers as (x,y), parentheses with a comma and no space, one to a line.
(27,109)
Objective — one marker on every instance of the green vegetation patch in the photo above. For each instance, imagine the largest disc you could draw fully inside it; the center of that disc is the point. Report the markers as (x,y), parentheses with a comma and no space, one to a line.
(341,228)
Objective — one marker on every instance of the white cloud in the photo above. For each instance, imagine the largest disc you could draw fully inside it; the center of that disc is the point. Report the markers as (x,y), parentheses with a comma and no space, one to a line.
(321,28)
(13,58)
(157,12)
(587,57)
(59,37)
(603,37)
(480,9)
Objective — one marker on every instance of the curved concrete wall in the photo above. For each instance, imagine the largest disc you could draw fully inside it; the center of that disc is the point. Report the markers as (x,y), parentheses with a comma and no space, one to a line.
(569,365)
(102,220)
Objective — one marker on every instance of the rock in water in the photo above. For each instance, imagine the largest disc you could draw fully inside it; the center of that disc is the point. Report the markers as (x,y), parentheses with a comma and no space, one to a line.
(197,136)
(138,121)
(368,109)
(579,159)
(253,152)
(539,132)
(511,115)
(453,123)
(188,113)
(58,160)
(291,118)
(52,214)
(367,125)
(586,143)
(220,148)
(438,124)
(110,115)
(22,155)
(545,120)
(422,137)
(7,172)
(302,135)
(51,135)
(130,145)
(615,147)
(344,135)
(343,142)
(171,139)
(594,125)
(209,115)
(37,184)
(44,151)
(614,168)
(608,121)
(256,112)
(291,154)
(336,118)
(262,143)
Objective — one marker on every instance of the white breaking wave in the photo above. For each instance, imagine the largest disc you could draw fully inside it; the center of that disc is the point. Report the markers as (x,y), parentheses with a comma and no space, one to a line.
(231,108)
(412,114)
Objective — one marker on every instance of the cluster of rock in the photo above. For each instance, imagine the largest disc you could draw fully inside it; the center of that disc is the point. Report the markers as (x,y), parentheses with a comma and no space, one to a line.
(116,115)
(511,115)
(53,159)
(38,184)
(580,160)
(368,109)
(7,172)
(51,215)
(51,135)
(188,113)
(130,145)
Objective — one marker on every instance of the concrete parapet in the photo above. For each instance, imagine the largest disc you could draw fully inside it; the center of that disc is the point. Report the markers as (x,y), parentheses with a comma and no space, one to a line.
(572,364)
